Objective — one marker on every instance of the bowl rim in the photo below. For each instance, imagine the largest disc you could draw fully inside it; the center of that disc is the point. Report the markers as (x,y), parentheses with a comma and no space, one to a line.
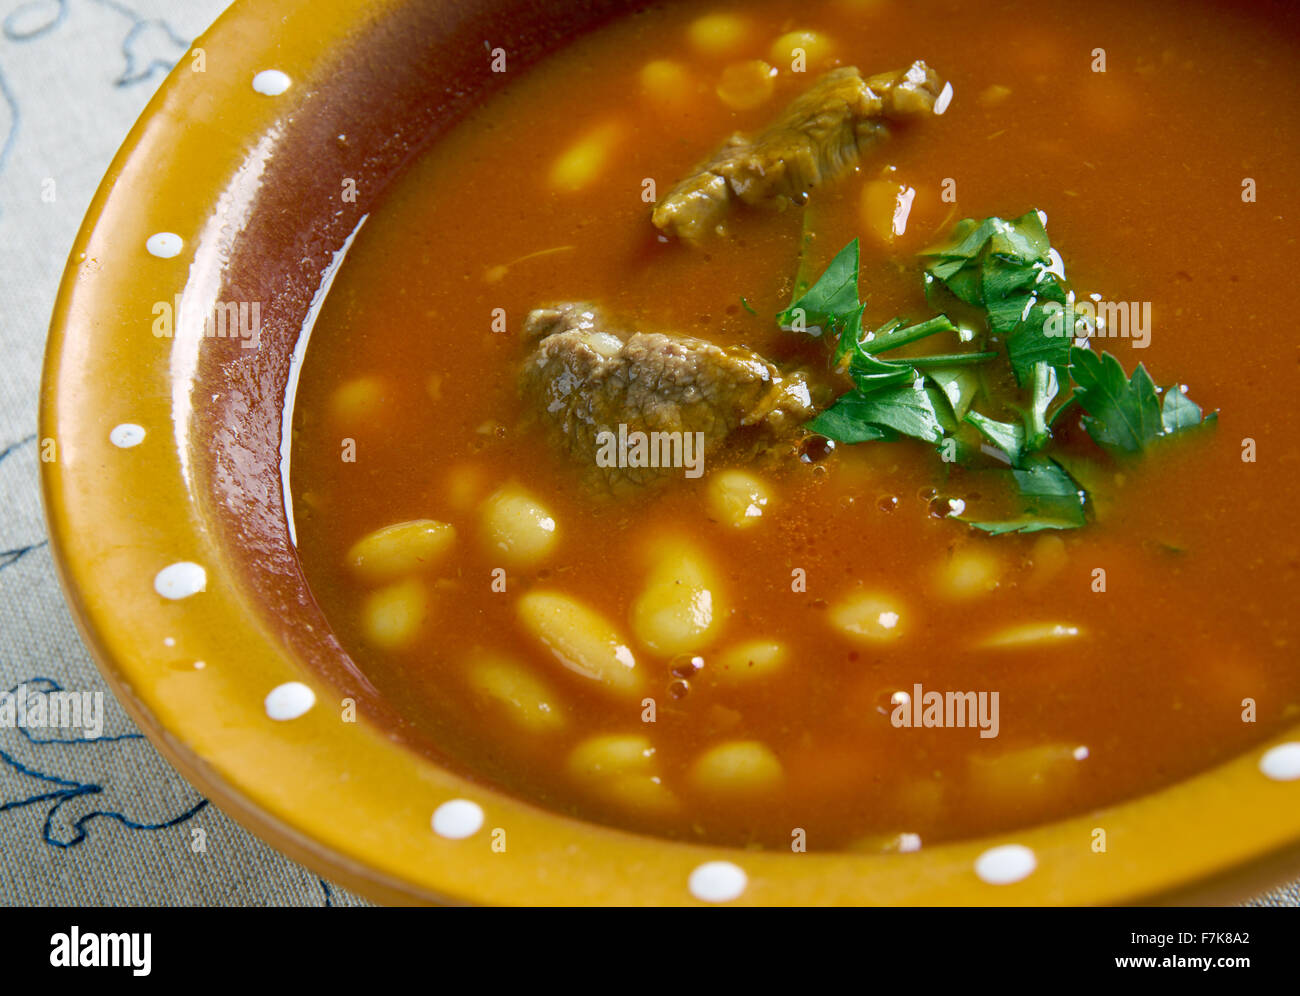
(295,783)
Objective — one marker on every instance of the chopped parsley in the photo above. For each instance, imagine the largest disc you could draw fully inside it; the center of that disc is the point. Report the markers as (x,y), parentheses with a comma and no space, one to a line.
(1013,360)
(1125,414)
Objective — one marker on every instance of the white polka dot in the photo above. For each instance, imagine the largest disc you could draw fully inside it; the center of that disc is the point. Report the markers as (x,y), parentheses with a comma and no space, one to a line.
(200,665)
(271,82)
(126,435)
(164,245)
(457,819)
(1282,763)
(1081,753)
(180,580)
(169,641)
(288,701)
(1006,864)
(718,882)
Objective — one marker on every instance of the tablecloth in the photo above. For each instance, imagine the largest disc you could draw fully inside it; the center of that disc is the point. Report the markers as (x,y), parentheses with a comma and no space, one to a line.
(95,820)
(103,820)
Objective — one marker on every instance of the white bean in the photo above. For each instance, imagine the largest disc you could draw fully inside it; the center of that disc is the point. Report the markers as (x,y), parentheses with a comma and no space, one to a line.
(746,85)
(1025,776)
(815,46)
(581,639)
(464,486)
(738,767)
(968,573)
(666,83)
(525,697)
(993,95)
(359,400)
(1049,557)
(719,35)
(1032,634)
(393,615)
(582,163)
(621,769)
(678,611)
(402,548)
(738,498)
(885,208)
(518,526)
(867,616)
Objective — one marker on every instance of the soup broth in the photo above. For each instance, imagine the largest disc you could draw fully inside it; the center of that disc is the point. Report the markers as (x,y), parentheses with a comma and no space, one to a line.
(779,622)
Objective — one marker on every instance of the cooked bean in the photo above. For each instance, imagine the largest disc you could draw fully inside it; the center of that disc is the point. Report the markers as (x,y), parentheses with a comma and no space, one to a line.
(885,208)
(359,400)
(864,615)
(738,498)
(1027,776)
(581,639)
(666,83)
(1048,556)
(525,697)
(464,486)
(393,615)
(719,35)
(739,767)
(621,768)
(746,85)
(518,526)
(815,46)
(581,164)
(611,754)
(1030,634)
(752,659)
(969,572)
(678,610)
(402,548)
(993,95)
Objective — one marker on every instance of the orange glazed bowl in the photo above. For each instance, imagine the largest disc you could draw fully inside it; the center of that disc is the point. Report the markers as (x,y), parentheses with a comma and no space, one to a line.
(166,509)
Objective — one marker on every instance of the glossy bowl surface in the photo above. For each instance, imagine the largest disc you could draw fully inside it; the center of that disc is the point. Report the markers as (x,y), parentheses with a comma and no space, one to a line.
(176,555)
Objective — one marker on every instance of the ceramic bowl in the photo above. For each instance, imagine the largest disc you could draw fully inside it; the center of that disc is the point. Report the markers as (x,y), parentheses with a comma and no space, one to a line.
(165,501)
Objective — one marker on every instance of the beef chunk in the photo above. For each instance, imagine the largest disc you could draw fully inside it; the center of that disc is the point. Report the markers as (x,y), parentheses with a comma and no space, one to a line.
(820,136)
(584,380)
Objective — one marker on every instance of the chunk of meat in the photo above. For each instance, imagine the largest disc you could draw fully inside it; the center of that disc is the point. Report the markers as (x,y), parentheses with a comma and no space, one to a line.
(584,380)
(820,136)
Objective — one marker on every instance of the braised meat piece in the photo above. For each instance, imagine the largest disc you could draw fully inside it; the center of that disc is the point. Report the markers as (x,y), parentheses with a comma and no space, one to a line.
(819,137)
(596,388)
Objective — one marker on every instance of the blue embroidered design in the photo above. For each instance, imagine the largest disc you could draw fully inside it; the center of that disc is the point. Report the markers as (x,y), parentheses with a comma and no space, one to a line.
(40,759)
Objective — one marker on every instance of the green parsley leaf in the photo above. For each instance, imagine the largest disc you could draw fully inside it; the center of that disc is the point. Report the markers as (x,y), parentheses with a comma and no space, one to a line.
(1180,412)
(1008,437)
(1004,267)
(1008,271)
(895,335)
(1123,413)
(1043,386)
(842,423)
(1052,499)
(959,383)
(1038,339)
(907,410)
(831,301)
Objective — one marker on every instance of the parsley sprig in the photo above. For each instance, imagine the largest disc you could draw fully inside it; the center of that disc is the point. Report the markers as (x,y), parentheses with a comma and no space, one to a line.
(1007,277)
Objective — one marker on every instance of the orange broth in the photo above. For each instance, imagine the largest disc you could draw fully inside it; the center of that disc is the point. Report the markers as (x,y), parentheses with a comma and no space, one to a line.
(1139,171)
